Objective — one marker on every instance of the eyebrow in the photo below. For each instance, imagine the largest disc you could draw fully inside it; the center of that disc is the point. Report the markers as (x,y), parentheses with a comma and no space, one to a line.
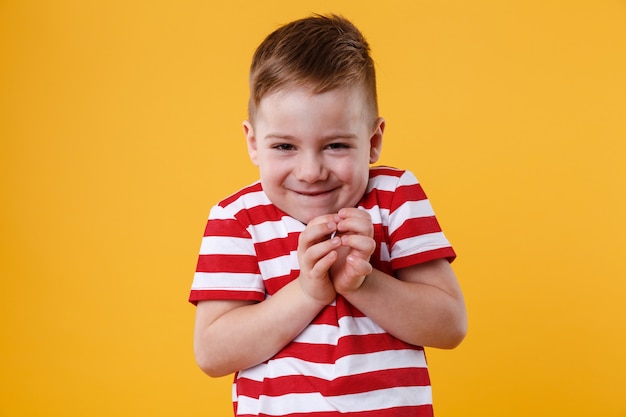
(343,136)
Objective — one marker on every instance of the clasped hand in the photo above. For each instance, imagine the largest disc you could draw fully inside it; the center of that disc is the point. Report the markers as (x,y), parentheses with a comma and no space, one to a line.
(334,252)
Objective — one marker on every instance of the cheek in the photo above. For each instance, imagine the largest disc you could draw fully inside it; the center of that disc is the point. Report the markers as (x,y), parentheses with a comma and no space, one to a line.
(356,177)
(354,170)
(273,172)
(345,172)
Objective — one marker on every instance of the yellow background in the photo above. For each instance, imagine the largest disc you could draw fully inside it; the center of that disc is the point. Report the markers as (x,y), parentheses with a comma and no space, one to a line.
(120,125)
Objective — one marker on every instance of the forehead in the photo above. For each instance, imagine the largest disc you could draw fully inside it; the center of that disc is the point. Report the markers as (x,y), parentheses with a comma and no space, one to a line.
(300,103)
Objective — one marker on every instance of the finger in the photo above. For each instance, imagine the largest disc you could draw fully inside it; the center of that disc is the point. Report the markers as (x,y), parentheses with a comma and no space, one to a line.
(321,267)
(364,246)
(316,232)
(353,212)
(359,266)
(326,218)
(315,252)
(358,225)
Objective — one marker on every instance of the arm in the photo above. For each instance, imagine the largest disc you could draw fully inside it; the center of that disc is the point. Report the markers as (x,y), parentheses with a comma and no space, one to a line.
(233,335)
(423,305)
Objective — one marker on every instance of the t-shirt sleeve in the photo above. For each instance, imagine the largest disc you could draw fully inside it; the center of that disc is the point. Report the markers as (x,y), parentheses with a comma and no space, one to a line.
(415,235)
(227,267)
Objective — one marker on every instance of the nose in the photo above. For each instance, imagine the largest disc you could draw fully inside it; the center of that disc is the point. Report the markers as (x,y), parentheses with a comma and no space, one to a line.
(311,168)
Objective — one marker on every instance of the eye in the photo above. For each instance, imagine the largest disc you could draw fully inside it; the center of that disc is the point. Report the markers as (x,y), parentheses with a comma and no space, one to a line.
(283,147)
(338,145)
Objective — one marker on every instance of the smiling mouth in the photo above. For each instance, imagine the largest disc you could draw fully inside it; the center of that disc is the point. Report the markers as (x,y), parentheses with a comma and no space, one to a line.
(313,193)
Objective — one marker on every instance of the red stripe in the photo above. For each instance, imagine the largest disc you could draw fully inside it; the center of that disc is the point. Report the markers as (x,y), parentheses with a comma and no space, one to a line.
(277,247)
(388,171)
(346,385)
(249,189)
(273,285)
(228,263)
(261,214)
(380,236)
(225,227)
(406,261)
(371,343)
(328,316)
(347,345)
(404,193)
(201,295)
(331,314)
(415,227)
(409,411)
(377,197)
(392,200)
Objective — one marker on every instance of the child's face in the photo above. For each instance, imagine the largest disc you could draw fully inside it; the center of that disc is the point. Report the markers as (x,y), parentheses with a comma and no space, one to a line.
(313,150)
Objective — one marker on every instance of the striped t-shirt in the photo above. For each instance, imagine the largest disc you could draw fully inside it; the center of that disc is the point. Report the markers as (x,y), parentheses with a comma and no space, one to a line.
(342,363)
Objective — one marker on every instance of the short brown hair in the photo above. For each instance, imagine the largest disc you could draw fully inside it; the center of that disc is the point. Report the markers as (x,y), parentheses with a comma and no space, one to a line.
(323,52)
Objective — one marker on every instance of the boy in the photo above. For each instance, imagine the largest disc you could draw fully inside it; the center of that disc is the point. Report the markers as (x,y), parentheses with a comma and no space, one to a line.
(319,284)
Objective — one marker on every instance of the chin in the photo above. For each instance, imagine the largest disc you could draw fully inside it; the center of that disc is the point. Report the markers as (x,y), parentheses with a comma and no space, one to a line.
(306,217)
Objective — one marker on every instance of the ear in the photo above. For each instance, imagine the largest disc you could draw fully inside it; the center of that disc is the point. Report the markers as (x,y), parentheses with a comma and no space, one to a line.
(376,140)
(248,130)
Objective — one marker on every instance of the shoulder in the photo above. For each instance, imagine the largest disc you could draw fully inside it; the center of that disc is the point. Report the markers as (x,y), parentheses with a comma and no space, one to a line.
(248,204)
(249,196)
(389,178)
(250,209)
(392,181)
(390,188)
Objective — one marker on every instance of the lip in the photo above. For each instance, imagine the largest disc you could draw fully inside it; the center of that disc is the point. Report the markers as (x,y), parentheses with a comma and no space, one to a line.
(313,193)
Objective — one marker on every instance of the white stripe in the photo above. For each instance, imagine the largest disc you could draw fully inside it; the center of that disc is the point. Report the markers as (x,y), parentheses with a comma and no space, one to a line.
(227,281)
(409,210)
(283,405)
(226,245)
(315,402)
(377,213)
(384,252)
(276,267)
(347,365)
(329,335)
(419,244)
(384,183)
(384,398)
(292,224)
(248,200)
(359,326)
(407,178)
(218,213)
(380,361)
(271,230)
(323,334)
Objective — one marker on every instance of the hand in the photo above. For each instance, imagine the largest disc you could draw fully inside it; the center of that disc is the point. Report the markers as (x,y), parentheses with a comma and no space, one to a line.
(356,231)
(316,254)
